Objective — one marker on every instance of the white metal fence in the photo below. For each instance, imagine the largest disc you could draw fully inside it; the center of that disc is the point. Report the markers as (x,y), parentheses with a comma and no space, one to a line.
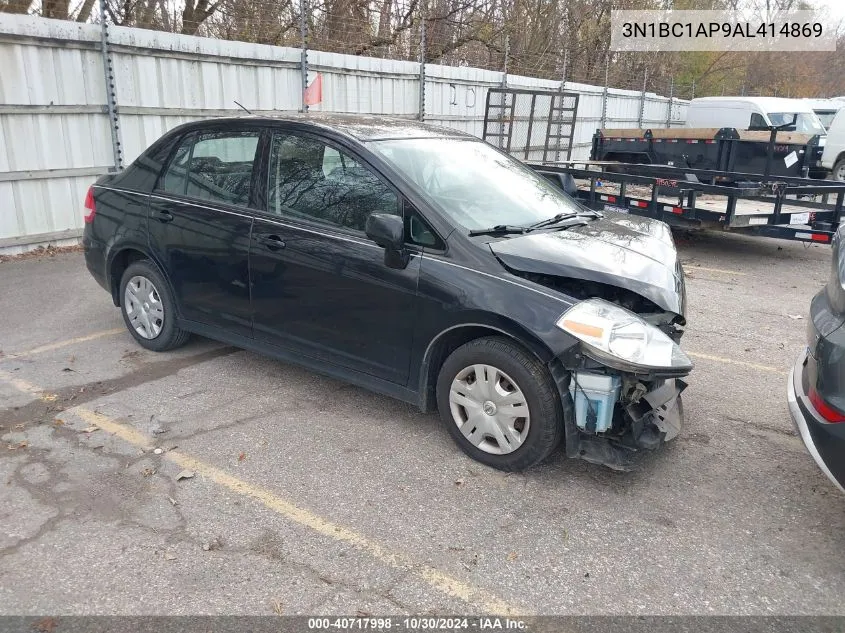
(55,132)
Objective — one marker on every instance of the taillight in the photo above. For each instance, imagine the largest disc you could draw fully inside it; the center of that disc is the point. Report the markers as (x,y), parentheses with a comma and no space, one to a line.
(825,410)
(90,210)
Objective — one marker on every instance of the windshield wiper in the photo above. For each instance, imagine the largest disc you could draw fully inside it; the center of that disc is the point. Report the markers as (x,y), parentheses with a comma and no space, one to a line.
(560,217)
(499,229)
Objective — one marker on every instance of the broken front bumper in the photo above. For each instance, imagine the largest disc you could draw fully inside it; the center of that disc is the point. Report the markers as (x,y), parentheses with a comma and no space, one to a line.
(647,424)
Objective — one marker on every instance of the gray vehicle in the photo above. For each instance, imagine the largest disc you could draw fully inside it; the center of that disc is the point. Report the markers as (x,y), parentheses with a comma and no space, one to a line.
(816,387)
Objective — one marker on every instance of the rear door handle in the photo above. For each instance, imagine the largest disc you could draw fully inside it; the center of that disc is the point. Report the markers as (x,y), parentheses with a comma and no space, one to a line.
(163,216)
(272,242)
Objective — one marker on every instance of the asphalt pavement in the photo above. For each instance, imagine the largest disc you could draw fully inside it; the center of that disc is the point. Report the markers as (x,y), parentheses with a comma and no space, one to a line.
(304,495)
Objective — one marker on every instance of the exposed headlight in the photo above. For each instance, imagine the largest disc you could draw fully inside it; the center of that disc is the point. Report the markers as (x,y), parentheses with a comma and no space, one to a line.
(619,338)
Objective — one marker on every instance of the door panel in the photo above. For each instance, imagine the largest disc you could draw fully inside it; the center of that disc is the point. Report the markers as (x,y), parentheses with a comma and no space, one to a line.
(333,298)
(205,254)
(199,226)
(319,285)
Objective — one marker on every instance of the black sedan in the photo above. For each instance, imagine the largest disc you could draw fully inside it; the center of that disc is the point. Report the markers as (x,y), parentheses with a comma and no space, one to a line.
(412,260)
(816,387)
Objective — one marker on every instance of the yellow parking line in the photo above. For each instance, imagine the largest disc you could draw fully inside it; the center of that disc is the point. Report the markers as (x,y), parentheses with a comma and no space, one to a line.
(72,341)
(714,270)
(742,363)
(435,578)
(26,387)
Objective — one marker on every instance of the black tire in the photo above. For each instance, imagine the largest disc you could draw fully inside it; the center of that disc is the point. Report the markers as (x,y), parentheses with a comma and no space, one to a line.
(170,336)
(545,430)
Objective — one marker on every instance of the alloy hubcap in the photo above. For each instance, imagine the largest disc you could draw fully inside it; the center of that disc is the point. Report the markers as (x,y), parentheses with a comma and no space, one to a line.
(143,307)
(489,408)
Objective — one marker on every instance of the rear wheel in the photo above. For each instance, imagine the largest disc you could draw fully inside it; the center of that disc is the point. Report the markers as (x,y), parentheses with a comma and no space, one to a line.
(500,404)
(838,171)
(148,308)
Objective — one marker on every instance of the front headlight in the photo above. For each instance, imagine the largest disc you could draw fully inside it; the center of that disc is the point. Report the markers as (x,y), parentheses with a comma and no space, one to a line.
(620,338)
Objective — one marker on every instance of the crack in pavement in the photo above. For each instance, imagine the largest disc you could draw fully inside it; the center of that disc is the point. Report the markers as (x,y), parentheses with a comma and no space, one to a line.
(44,410)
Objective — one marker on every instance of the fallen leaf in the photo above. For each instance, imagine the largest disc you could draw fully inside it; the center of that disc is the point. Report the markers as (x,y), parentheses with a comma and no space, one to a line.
(68,369)
(173,501)
(513,556)
(14,447)
(360,613)
(459,482)
(278,609)
(19,427)
(45,625)
(91,429)
(185,474)
(169,556)
(795,317)
(58,422)
(148,472)
(241,457)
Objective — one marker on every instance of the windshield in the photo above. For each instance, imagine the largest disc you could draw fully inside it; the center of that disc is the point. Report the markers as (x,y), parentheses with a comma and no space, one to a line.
(826,117)
(473,183)
(806,121)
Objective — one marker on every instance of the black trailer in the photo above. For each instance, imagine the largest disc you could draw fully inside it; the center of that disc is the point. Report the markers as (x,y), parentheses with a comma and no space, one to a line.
(784,207)
(770,152)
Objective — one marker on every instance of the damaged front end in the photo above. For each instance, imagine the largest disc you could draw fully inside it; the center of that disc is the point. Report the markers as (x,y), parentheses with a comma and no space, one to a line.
(621,385)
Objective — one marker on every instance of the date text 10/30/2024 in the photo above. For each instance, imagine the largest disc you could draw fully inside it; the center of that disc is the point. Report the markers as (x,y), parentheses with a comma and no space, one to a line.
(416,624)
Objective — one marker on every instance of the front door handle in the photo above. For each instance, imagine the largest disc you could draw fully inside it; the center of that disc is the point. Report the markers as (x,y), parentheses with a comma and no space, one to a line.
(163,216)
(271,242)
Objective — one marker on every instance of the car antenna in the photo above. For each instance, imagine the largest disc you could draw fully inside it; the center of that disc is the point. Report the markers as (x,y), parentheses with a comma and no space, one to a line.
(242,107)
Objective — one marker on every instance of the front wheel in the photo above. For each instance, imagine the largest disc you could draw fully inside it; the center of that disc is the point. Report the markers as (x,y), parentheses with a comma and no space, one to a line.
(500,404)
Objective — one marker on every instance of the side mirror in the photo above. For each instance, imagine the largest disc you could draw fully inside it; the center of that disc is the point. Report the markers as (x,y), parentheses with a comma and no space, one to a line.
(388,231)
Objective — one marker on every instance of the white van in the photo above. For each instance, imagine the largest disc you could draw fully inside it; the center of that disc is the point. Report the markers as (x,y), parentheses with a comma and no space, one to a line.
(833,157)
(826,109)
(745,113)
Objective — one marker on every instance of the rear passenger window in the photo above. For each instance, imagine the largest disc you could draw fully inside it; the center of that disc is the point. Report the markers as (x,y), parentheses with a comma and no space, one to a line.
(215,166)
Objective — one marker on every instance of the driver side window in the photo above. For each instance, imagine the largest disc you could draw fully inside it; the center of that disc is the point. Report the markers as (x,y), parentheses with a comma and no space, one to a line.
(311,180)
(757,121)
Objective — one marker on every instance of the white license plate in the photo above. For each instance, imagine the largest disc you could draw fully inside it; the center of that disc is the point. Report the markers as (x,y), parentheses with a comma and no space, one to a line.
(800,218)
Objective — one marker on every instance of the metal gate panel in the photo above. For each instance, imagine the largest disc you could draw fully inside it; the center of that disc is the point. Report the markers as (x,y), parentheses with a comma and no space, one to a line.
(533,125)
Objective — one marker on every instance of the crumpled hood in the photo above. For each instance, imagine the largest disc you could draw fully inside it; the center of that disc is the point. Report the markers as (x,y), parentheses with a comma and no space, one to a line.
(619,250)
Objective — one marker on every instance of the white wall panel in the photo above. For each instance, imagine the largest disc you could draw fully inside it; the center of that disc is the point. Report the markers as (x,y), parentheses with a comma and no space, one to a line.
(53,114)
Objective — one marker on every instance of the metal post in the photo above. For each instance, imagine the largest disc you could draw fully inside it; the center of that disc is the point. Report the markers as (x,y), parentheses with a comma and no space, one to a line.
(502,143)
(421,114)
(692,96)
(563,72)
(671,96)
(604,92)
(303,61)
(642,100)
(507,53)
(560,111)
(111,102)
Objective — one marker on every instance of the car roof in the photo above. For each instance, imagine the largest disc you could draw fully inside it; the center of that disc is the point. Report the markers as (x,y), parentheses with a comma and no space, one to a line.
(363,127)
